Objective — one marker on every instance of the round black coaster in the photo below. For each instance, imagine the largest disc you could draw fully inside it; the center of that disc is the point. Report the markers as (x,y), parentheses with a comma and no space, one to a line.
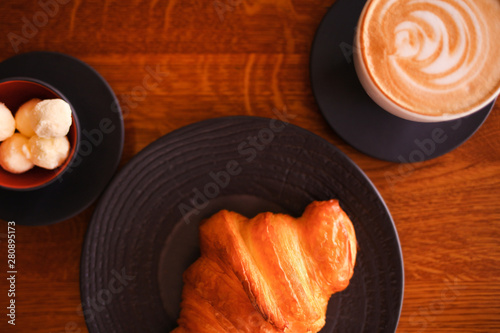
(100,146)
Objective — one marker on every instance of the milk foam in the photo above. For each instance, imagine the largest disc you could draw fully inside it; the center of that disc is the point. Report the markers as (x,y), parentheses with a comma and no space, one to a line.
(433,48)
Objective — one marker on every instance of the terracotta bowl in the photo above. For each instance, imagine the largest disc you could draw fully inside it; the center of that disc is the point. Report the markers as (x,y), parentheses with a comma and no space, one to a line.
(13,93)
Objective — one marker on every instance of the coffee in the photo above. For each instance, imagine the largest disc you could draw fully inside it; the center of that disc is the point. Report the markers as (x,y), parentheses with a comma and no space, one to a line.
(431,58)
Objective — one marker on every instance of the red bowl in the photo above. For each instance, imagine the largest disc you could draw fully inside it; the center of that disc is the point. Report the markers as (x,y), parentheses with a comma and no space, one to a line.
(13,93)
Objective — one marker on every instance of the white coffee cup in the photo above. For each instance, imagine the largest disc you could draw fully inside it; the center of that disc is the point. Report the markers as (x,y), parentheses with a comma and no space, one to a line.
(417,18)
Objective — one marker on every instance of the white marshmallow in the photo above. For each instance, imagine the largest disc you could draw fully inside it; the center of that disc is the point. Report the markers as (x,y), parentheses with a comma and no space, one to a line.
(14,154)
(23,117)
(48,153)
(7,123)
(51,118)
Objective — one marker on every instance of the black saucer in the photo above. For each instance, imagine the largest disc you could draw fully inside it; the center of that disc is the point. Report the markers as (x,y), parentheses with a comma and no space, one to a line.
(101,132)
(355,117)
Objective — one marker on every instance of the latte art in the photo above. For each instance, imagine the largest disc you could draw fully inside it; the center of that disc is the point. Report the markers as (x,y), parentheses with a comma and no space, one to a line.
(433,56)
(426,39)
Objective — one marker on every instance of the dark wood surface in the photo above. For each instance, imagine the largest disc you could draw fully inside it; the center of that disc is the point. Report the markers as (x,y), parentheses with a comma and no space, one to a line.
(246,57)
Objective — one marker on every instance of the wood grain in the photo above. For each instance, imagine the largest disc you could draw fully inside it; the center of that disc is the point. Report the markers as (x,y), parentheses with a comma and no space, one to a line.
(233,57)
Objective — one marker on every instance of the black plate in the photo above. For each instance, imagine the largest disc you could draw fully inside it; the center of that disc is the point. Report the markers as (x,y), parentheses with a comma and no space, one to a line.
(355,117)
(142,235)
(100,147)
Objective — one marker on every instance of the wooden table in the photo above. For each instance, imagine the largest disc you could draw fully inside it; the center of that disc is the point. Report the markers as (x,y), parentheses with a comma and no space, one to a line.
(246,57)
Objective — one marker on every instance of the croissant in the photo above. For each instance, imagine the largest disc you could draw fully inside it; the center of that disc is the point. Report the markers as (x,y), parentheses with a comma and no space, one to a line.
(271,273)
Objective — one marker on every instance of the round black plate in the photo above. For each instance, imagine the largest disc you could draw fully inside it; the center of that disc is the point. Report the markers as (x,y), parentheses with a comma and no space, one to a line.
(101,132)
(355,117)
(144,231)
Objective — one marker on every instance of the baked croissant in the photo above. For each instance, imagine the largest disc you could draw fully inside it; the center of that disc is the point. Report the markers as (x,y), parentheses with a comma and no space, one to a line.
(271,273)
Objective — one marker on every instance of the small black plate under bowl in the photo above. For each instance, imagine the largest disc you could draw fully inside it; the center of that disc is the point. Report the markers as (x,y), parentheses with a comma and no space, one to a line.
(144,232)
(355,117)
(100,146)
